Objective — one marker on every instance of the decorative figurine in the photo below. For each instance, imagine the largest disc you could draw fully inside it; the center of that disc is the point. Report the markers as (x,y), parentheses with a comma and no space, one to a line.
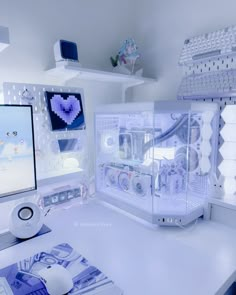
(125,61)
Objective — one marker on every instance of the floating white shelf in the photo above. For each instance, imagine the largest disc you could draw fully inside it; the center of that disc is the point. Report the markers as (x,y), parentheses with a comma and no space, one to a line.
(67,72)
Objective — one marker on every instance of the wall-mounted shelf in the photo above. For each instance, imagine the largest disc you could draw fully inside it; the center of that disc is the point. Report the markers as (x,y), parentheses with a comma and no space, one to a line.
(67,72)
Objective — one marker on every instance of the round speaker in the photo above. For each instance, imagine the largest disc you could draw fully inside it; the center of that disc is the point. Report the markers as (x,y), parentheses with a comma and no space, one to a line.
(26,220)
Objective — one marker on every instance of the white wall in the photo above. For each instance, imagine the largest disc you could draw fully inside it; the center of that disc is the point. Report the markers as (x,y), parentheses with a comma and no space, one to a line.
(98,27)
(161,28)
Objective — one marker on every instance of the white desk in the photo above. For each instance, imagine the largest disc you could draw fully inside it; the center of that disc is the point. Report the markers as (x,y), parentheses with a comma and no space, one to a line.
(197,260)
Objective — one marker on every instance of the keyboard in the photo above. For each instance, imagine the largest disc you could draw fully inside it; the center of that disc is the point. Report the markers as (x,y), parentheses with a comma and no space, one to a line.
(211,84)
(205,46)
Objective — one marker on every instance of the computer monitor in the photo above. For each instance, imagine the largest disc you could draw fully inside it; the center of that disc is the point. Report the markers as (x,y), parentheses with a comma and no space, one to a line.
(65,111)
(17,153)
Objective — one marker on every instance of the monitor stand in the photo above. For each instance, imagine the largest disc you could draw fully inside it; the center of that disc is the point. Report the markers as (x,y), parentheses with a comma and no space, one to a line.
(7,239)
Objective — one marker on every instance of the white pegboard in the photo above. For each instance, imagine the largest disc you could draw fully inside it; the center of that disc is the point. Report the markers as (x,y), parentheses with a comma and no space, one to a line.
(220,43)
(209,65)
(49,160)
(218,84)
(208,62)
(209,52)
(223,102)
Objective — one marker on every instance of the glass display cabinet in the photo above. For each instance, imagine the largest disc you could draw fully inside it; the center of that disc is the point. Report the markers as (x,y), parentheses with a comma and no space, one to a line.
(155,159)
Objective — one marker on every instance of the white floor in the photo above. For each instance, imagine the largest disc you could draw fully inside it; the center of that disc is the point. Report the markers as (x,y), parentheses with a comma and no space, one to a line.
(200,259)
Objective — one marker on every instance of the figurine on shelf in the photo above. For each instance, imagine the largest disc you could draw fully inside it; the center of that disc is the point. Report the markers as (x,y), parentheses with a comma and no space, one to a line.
(125,61)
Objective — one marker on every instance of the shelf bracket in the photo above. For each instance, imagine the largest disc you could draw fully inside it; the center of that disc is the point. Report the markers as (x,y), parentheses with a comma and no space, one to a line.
(126,86)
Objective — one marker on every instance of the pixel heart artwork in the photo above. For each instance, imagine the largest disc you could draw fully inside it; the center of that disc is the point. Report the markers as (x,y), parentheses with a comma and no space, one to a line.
(66,109)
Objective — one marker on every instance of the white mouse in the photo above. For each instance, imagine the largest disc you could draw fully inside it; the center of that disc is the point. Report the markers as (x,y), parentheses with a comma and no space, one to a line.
(57,279)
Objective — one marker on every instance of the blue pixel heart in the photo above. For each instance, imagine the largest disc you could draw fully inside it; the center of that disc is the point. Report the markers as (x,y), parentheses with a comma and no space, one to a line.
(66,109)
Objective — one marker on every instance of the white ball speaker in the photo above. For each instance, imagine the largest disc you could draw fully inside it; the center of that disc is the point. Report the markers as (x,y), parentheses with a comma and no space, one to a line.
(26,220)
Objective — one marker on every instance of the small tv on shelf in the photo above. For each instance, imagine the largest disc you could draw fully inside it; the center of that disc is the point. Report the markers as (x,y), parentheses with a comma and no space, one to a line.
(65,111)
(17,151)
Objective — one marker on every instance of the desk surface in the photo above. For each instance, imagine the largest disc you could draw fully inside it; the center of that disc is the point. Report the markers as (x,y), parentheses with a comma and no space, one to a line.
(200,259)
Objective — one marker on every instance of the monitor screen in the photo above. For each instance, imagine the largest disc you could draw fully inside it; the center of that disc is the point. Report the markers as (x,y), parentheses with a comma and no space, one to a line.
(17,158)
(65,111)
(69,50)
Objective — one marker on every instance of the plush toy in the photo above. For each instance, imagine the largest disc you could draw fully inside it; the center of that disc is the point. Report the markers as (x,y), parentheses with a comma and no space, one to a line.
(216,186)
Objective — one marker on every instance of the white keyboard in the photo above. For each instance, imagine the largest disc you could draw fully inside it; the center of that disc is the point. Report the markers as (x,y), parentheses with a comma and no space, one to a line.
(214,44)
(211,84)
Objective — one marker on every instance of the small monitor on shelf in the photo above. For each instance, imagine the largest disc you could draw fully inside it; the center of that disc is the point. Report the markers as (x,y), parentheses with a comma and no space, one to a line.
(17,152)
(65,50)
(65,111)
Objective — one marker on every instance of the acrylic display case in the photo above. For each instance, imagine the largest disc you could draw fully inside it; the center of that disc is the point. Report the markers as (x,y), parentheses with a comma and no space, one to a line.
(154,160)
